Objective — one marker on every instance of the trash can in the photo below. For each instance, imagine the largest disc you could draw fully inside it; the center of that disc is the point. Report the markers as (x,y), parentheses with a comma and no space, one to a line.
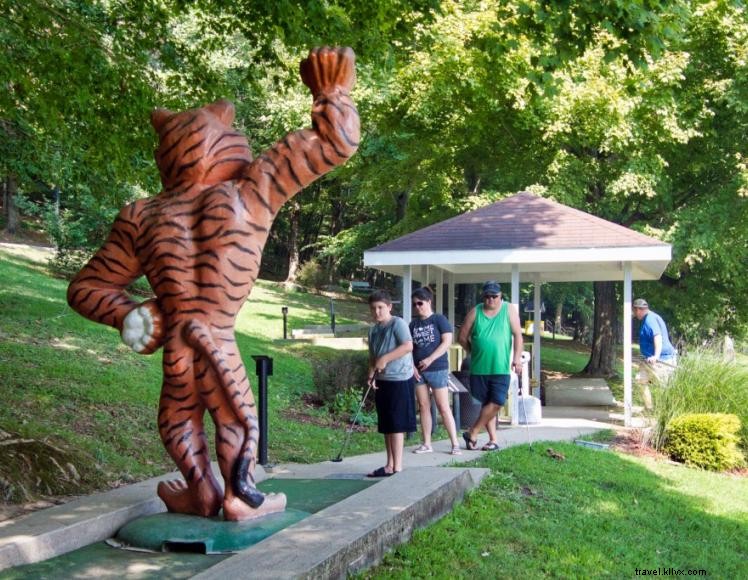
(469,407)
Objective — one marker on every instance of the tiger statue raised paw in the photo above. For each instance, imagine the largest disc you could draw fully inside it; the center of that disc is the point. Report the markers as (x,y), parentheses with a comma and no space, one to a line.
(199,244)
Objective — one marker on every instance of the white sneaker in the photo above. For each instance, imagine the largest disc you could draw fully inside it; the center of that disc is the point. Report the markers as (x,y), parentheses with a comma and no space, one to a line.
(423,449)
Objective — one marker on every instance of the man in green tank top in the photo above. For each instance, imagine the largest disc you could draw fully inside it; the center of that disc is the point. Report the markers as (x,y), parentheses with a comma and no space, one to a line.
(487,335)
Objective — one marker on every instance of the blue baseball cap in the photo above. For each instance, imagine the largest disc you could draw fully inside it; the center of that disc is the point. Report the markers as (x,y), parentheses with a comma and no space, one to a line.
(491,287)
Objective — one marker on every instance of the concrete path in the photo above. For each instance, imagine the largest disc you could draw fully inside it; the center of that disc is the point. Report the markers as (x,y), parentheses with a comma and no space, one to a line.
(341,539)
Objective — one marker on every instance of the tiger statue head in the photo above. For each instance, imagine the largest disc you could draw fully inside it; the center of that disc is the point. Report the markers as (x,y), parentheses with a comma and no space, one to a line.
(199,146)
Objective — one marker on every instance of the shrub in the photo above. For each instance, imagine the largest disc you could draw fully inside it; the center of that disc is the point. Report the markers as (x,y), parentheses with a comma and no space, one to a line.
(67,262)
(702,383)
(707,440)
(312,274)
(335,371)
(346,404)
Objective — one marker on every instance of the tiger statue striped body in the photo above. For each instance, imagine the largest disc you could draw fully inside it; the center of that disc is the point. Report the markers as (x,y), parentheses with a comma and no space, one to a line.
(199,243)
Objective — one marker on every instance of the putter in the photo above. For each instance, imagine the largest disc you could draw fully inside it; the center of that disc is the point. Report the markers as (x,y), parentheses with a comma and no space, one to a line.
(339,457)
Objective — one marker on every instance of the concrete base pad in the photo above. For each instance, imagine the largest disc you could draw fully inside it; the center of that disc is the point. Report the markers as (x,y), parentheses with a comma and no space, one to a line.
(578,393)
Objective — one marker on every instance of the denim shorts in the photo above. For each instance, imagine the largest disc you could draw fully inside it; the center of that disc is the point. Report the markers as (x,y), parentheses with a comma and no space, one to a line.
(435,379)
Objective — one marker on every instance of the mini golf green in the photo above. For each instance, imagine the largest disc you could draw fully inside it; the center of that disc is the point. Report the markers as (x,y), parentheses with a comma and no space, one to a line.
(175,546)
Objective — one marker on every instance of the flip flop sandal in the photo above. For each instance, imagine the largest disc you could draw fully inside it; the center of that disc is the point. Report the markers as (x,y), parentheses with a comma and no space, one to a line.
(455,450)
(470,444)
(380,472)
(423,449)
(490,446)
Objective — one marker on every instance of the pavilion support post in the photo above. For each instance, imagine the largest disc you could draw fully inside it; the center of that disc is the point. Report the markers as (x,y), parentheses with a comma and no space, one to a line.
(627,373)
(513,415)
(407,283)
(440,291)
(537,329)
(451,298)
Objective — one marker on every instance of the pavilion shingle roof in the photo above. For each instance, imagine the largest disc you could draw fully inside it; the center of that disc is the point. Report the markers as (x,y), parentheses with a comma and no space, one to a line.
(522,221)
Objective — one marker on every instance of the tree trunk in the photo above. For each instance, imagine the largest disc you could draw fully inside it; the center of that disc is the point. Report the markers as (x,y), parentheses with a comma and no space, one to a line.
(337,207)
(11,211)
(401,204)
(557,317)
(602,357)
(293,243)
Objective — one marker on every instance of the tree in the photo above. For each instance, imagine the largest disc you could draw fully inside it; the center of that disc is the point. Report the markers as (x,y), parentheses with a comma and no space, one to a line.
(604,107)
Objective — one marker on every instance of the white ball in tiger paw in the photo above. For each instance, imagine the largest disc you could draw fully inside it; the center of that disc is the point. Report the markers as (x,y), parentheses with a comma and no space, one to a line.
(141,328)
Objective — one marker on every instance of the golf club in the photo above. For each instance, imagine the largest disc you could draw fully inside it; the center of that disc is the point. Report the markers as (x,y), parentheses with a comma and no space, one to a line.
(523,382)
(527,425)
(339,457)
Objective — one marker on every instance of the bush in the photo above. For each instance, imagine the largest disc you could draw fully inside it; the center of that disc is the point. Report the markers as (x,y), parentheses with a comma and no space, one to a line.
(346,404)
(312,274)
(706,440)
(336,371)
(702,383)
(67,262)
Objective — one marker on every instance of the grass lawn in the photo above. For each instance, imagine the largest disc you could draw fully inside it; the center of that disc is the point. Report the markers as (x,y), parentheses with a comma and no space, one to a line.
(68,381)
(594,514)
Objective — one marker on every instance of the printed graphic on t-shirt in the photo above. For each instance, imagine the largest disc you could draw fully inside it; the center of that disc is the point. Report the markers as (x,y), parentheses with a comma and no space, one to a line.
(424,335)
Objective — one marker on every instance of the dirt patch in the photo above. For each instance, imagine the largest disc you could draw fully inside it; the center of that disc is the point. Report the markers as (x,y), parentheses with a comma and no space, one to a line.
(35,253)
(35,474)
(738,472)
(634,443)
(32,469)
(553,375)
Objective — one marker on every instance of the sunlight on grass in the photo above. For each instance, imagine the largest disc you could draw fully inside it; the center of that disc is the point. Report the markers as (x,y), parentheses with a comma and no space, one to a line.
(596,514)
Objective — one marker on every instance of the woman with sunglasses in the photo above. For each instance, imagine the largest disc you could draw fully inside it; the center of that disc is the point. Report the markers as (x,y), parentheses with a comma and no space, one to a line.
(432,336)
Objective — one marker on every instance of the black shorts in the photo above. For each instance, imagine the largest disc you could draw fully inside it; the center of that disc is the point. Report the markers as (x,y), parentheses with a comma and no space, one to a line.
(396,406)
(490,388)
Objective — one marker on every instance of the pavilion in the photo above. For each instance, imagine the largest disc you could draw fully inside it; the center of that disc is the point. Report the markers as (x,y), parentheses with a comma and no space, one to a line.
(529,238)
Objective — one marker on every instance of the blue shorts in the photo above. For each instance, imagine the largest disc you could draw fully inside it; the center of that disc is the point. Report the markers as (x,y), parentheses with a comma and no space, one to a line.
(490,388)
(435,379)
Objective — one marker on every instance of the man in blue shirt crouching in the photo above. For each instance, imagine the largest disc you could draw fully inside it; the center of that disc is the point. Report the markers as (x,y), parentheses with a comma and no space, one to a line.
(659,358)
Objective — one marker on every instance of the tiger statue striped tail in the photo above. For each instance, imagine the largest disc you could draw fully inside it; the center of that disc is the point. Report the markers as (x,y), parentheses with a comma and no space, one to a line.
(199,243)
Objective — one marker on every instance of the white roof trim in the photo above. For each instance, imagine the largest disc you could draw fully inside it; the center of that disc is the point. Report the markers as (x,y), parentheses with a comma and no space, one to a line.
(519,256)
(551,265)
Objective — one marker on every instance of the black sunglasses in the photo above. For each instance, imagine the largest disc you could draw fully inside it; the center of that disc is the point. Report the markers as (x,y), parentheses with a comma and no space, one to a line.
(492,296)
(418,303)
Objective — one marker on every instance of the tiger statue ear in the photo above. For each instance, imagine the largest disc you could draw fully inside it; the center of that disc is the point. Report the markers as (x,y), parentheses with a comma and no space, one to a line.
(159,117)
(224,110)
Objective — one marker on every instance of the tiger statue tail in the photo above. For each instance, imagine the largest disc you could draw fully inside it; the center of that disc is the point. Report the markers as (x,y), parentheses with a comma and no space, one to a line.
(198,336)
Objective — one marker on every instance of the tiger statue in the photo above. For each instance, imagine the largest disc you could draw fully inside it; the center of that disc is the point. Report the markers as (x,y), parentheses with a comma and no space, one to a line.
(199,243)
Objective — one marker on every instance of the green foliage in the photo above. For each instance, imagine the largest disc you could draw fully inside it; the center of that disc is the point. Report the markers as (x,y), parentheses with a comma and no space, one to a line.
(706,440)
(346,405)
(313,275)
(338,371)
(634,111)
(702,383)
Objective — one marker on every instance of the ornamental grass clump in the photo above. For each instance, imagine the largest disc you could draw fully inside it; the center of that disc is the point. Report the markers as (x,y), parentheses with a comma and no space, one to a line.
(702,383)
(706,440)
